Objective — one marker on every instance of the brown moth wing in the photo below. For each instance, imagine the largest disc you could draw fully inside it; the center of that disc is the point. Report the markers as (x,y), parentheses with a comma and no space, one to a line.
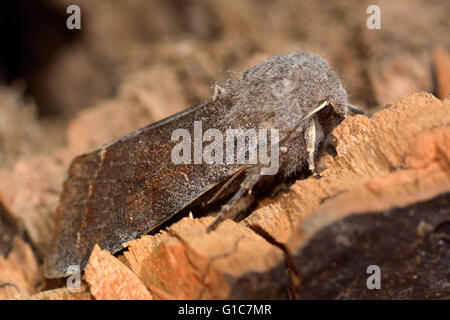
(125,189)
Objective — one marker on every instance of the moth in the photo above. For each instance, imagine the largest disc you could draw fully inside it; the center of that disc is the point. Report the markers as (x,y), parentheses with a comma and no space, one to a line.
(131,186)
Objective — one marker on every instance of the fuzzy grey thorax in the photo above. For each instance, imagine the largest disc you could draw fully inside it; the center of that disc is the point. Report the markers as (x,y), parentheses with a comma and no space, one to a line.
(279,93)
(282,90)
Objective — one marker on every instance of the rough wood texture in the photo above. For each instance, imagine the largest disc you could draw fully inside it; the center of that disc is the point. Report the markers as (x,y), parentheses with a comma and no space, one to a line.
(442,67)
(19,272)
(61,294)
(8,230)
(185,262)
(31,191)
(109,279)
(394,76)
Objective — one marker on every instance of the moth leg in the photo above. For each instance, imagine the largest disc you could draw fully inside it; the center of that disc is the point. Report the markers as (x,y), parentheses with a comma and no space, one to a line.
(249,182)
(226,185)
(311,139)
(354,110)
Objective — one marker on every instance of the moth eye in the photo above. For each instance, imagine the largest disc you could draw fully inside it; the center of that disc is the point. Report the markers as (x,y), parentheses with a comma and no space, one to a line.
(326,112)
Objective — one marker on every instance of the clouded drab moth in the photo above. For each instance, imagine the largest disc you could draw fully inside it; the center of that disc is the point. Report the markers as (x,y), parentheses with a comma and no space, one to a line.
(130,186)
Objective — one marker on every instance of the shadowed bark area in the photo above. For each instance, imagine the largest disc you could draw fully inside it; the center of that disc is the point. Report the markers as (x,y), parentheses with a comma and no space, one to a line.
(8,230)
(411,245)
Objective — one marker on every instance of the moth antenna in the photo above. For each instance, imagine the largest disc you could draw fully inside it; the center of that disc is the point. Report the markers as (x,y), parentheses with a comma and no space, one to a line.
(320,107)
(250,180)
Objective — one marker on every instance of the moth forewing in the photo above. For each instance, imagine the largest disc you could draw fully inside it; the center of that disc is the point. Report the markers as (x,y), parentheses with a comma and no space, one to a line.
(125,189)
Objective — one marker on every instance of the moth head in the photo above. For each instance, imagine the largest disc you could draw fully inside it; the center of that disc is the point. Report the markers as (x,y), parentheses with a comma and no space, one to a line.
(327,100)
(329,105)
(328,114)
(334,94)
